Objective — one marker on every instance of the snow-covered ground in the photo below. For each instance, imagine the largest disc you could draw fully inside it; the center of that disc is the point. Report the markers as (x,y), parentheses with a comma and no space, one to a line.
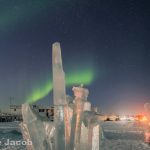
(124,135)
(10,131)
(120,135)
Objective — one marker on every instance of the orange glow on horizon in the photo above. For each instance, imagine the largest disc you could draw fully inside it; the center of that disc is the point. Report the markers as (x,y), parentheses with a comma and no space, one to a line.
(141,118)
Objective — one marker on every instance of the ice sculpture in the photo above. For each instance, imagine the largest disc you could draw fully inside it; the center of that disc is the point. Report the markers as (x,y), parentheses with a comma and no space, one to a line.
(75,126)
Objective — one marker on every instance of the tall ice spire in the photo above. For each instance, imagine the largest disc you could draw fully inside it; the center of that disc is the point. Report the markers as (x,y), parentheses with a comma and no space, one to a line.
(59,92)
(59,96)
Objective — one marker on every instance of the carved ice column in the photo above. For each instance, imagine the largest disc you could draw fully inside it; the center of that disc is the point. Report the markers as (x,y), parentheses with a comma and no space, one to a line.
(84,139)
(80,97)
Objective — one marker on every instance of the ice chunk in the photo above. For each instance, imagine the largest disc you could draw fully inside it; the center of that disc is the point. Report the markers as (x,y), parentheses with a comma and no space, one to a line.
(96,138)
(33,129)
(84,137)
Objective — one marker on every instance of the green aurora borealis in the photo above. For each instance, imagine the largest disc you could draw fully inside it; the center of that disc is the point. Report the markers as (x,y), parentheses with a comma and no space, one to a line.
(23,12)
(86,77)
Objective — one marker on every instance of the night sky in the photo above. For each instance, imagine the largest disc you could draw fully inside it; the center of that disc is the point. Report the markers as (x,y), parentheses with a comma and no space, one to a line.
(106,38)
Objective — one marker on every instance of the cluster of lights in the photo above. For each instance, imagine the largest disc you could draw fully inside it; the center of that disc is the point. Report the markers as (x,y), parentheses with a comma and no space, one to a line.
(141,118)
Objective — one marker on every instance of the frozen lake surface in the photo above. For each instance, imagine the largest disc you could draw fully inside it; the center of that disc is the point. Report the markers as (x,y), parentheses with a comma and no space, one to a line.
(118,136)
